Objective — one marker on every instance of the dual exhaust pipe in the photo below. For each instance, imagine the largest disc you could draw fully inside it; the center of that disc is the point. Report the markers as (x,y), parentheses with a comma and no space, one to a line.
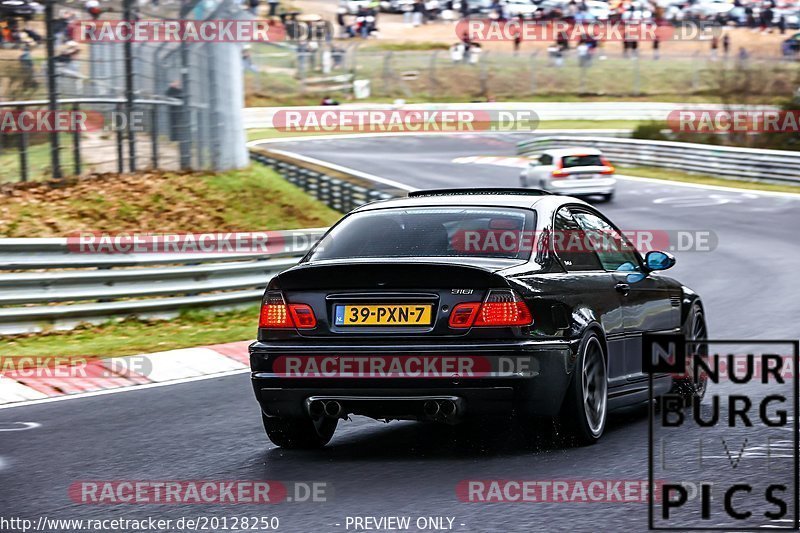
(325,408)
(440,409)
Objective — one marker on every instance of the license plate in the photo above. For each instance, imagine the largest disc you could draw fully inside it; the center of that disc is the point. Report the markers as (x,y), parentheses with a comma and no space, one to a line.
(383,315)
(585,176)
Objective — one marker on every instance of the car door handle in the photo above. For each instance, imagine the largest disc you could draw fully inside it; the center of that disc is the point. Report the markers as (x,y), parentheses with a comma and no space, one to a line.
(623,288)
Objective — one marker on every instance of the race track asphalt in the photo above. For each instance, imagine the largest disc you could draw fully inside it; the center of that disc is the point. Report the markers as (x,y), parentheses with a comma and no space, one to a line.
(211,429)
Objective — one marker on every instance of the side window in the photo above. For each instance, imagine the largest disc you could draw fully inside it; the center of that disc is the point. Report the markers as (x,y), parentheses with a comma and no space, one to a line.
(546,159)
(613,249)
(568,244)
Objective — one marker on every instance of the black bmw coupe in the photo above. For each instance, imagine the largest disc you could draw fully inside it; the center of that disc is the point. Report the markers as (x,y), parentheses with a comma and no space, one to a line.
(457,304)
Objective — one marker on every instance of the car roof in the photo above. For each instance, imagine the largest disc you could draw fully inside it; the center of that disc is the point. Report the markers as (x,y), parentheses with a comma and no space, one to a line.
(478,198)
(578,150)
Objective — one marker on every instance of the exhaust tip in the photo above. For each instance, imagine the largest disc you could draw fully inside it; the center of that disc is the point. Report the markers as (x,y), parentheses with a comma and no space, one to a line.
(333,409)
(448,407)
(316,409)
(431,408)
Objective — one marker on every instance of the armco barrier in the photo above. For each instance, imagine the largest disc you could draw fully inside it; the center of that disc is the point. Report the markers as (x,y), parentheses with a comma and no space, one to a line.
(46,284)
(723,161)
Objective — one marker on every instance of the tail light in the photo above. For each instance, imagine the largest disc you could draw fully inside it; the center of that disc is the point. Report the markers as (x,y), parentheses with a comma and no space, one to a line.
(277,314)
(610,169)
(559,172)
(501,308)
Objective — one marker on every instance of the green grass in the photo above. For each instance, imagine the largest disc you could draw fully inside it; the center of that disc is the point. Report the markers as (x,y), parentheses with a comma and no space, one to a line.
(132,336)
(38,162)
(705,179)
(252,199)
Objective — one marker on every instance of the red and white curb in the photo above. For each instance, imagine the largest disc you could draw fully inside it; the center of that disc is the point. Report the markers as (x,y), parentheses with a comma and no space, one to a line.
(121,373)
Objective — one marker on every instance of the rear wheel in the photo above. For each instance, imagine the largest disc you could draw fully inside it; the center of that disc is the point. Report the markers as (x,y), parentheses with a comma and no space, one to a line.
(586,404)
(692,386)
(299,433)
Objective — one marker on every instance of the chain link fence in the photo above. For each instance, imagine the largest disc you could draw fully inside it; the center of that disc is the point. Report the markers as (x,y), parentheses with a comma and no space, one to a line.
(162,105)
(482,74)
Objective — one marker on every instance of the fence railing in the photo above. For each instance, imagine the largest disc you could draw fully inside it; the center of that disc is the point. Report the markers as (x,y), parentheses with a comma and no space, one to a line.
(723,161)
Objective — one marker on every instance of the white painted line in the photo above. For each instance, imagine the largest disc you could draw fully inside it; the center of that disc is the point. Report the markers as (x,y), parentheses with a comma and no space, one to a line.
(795,196)
(19,426)
(358,173)
(122,389)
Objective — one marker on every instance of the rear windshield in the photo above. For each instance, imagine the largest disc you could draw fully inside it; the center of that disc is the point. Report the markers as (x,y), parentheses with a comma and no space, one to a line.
(570,161)
(431,232)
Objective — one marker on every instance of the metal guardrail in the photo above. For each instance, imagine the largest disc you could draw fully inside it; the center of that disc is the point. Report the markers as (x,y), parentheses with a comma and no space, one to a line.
(47,283)
(340,190)
(723,161)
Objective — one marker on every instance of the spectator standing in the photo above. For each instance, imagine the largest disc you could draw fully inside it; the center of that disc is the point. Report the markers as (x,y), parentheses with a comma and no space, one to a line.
(273,7)
(782,24)
(714,46)
(419,8)
(726,44)
(656,46)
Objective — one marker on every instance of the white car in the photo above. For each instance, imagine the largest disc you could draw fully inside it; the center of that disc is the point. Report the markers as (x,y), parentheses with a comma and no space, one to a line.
(520,8)
(709,8)
(571,171)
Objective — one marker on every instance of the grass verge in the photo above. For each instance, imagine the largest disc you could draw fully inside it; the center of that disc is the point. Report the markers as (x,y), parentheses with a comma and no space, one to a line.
(253,199)
(132,336)
(705,179)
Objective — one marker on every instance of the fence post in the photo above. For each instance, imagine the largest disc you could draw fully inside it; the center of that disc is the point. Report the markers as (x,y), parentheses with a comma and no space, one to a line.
(23,151)
(51,86)
(184,138)
(637,81)
(387,72)
(533,72)
(432,72)
(484,73)
(154,134)
(120,150)
(695,80)
(128,51)
(76,144)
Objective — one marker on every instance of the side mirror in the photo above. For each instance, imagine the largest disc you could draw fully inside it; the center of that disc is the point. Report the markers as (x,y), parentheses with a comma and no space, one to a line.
(656,260)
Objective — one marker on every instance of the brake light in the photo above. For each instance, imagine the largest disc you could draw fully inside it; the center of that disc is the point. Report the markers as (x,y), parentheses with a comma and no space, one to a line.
(610,169)
(559,172)
(277,314)
(501,308)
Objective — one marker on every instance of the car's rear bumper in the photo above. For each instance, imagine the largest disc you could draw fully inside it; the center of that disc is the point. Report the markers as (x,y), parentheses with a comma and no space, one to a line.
(537,391)
(578,187)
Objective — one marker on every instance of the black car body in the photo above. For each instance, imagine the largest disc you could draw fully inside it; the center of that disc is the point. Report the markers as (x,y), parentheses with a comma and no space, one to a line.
(585,314)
